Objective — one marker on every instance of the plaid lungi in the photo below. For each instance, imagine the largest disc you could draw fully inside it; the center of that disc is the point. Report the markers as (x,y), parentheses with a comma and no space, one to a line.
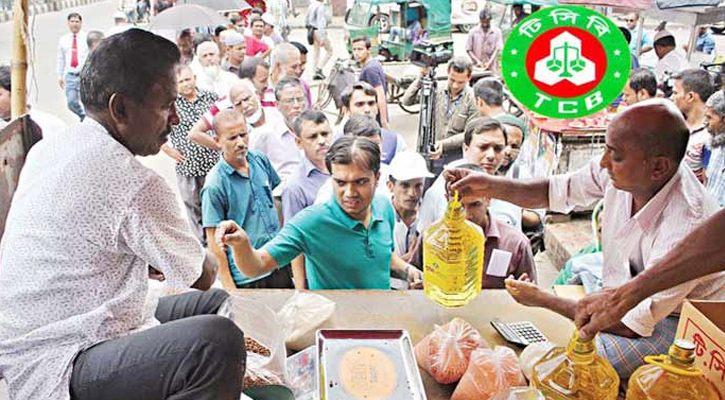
(626,354)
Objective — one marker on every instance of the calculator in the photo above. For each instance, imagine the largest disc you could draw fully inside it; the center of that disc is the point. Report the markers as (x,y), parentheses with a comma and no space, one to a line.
(519,333)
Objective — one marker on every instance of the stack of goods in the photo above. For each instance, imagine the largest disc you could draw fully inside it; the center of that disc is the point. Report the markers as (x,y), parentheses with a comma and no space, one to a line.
(456,352)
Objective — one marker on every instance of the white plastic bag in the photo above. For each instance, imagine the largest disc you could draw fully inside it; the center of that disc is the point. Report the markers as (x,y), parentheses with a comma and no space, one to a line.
(532,354)
(302,315)
(490,372)
(259,322)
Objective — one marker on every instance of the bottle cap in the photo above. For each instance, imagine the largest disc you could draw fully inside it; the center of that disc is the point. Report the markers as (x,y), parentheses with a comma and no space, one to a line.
(682,351)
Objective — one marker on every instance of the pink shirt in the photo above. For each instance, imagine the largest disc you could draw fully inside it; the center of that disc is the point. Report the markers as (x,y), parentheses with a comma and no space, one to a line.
(254,46)
(637,242)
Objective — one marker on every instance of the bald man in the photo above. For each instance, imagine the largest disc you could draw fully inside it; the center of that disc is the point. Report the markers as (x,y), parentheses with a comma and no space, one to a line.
(651,202)
(239,188)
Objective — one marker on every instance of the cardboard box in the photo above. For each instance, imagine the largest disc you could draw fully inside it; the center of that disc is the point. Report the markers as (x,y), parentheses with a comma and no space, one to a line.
(703,323)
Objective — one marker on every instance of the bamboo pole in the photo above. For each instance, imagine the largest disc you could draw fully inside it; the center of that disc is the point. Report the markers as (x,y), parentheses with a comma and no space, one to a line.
(19,64)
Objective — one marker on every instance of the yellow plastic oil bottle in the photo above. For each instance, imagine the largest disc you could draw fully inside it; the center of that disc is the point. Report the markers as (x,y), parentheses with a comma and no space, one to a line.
(575,373)
(453,258)
(671,377)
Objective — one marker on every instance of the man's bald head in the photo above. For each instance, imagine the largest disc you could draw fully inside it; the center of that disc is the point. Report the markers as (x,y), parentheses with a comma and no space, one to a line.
(227,120)
(241,86)
(656,126)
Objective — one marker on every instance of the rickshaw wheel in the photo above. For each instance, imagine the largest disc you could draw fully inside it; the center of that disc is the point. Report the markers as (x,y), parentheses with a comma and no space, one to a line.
(465,28)
(414,109)
(324,97)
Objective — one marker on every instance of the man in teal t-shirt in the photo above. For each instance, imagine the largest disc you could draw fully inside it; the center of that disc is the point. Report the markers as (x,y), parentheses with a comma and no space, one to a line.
(347,242)
(239,188)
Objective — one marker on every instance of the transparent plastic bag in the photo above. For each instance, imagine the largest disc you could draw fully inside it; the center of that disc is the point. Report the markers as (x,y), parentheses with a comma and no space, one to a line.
(490,372)
(519,393)
(531,355)
(259,323)
(301,316)
(445,352)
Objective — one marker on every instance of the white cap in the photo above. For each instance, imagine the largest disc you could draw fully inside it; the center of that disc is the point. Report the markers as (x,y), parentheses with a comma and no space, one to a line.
(120,15)
(233,39)
(269,19)
(408,165)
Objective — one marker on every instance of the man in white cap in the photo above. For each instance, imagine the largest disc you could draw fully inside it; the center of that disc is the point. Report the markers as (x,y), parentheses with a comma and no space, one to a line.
(670,60)
(236,48)
(406,183)
(212,77)
(269,32)
(120,24)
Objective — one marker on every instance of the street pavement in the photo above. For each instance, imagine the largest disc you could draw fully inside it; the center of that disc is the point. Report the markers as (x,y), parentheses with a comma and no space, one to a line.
(47,96)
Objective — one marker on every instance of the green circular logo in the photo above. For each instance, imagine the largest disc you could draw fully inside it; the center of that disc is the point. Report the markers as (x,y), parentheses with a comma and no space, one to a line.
(566,62)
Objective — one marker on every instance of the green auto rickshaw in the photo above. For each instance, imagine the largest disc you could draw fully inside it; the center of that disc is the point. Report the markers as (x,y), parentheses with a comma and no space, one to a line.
(411,22)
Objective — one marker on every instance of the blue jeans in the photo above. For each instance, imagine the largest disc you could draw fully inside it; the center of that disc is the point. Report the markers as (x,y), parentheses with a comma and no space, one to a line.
(73,94)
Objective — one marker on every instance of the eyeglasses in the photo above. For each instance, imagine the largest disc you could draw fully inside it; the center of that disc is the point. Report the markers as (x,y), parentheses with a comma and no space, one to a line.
(293,100)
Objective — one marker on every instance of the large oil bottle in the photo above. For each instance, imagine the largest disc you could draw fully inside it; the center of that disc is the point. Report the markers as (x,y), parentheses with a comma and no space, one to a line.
(671,377)
(575,373)
(453,258)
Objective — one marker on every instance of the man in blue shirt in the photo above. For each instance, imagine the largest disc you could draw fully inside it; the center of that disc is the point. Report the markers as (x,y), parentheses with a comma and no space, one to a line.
(313,136)
(347,241)
(645,42)
(239,188)
(372,73)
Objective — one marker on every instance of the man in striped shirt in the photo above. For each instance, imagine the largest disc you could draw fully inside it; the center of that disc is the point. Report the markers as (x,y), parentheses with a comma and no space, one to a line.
(714,115)
(651,202)
(691,90)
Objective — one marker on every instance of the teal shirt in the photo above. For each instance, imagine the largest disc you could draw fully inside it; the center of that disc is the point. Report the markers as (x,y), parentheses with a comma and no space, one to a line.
(340,253)
(247,200)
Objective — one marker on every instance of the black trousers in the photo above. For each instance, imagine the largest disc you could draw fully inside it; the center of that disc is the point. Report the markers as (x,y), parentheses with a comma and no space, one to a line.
(194,354)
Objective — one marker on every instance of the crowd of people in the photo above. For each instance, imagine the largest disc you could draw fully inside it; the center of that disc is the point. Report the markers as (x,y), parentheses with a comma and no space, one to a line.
(275,196)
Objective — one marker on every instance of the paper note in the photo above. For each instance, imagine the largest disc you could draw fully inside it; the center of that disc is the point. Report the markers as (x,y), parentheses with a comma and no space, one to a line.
(499,263)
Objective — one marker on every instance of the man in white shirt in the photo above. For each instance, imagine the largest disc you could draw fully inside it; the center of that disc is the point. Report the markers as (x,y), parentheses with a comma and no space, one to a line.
(72,53)
(406,181)
(670,60)
(484,143)
(316,22)
(276,139)
(88,226)
(212,77)
(652,202)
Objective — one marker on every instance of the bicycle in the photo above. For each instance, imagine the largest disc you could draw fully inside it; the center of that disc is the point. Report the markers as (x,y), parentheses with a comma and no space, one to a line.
(341,77)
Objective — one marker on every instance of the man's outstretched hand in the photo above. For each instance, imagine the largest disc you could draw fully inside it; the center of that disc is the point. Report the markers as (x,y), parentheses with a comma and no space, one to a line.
(229,233)
(467,182)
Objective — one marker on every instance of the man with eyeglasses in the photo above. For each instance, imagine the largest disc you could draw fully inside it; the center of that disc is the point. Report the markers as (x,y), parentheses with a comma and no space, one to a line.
(278,141)
(360,99)
(646,42)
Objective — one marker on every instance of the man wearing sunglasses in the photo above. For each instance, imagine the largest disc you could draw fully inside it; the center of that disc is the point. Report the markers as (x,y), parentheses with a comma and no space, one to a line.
(631,20)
